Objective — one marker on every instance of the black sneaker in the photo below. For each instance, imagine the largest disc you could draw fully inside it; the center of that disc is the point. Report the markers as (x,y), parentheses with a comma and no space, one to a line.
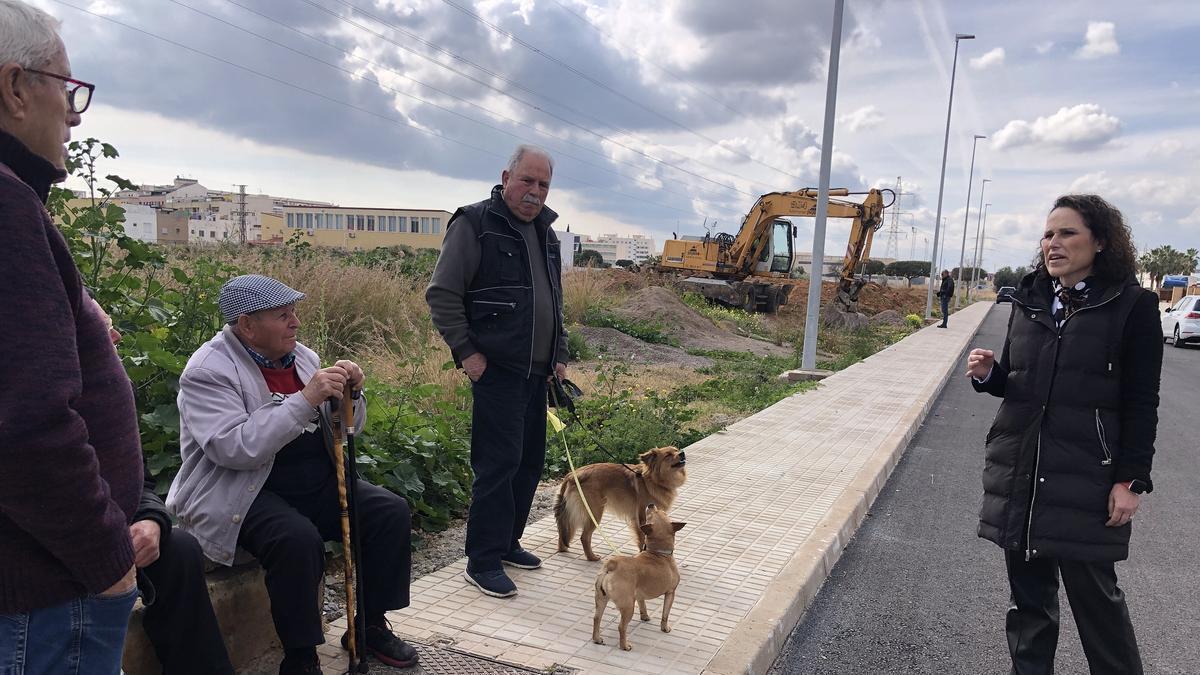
(386,647)
(520,558)
(492,582)
(306,665)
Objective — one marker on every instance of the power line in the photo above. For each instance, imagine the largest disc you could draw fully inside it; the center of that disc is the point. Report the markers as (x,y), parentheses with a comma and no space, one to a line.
(376,81)
(518,86)
(606,87)
(325,97)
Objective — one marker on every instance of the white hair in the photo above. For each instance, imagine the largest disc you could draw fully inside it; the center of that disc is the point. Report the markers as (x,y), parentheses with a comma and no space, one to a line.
(28,36)
(520,152)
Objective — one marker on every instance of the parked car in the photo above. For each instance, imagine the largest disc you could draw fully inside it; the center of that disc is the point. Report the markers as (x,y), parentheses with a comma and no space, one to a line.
(1005,294)
(1181,321)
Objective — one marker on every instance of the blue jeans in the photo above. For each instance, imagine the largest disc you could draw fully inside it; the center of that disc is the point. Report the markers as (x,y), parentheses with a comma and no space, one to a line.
(79,637)
(945,309)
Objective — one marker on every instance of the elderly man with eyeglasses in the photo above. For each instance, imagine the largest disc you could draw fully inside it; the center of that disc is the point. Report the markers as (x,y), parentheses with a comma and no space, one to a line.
(70,457)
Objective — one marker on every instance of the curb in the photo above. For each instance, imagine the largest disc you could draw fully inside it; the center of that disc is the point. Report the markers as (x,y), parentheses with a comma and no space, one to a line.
(758,639)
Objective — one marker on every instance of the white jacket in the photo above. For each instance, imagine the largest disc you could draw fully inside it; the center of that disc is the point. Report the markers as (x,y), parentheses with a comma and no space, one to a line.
(230,428)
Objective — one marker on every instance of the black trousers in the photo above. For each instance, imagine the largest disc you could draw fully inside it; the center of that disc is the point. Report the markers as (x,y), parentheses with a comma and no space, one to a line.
(180,622)
(287,537)
(945,309)
(1097,604)
(508,454)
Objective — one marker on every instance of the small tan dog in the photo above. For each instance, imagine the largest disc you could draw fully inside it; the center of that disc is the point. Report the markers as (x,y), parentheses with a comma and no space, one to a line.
(648,574)
(624,489)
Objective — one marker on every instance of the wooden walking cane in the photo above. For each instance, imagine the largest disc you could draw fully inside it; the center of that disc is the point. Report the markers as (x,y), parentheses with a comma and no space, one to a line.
(358,621)
(339,461)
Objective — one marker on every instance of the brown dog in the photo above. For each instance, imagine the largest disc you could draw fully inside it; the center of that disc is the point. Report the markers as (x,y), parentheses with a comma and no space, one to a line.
(624,489)
(648,574)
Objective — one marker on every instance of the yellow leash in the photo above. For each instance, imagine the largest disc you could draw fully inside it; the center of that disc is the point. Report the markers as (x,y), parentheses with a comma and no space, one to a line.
(559,428)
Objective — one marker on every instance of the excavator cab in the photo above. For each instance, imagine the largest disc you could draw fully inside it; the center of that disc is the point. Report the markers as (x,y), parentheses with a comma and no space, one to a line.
(779,256)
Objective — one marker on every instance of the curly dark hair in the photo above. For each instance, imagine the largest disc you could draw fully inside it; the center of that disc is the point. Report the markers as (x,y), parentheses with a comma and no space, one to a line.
(1118,259)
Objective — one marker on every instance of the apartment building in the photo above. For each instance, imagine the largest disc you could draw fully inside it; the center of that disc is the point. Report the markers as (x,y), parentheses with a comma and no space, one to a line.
(360,228)
(614,247)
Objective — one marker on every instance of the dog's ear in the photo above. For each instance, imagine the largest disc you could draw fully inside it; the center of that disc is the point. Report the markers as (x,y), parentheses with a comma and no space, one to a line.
(647,529)
(648,457)
(677,526)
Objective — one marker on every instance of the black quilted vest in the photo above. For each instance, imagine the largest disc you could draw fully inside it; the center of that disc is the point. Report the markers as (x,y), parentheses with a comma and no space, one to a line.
(500,310)
(1051,448)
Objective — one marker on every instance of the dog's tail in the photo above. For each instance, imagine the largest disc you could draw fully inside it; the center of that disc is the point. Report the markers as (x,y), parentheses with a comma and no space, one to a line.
(569,513)
(602,578)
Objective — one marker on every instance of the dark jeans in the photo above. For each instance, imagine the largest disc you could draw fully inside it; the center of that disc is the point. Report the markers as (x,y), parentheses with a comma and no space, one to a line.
(1096,603)
(83,636)
(508,453)
(180,622)
(287,537)
(945,309)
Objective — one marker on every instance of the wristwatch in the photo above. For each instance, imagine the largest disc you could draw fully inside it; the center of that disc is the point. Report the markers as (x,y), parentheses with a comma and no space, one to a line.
(1136,486)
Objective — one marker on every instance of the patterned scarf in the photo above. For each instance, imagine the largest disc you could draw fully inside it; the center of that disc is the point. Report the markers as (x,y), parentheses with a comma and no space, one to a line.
(1070,299)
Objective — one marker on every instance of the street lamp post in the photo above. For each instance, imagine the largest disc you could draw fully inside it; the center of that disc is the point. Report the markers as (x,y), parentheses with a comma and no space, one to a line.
(982,233)
(978,225)
(808,355)
(942,182)
(962,254)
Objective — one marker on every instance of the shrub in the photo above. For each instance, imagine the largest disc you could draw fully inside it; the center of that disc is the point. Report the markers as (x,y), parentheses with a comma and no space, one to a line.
(646,331)
(914,321)
(419,447)
(742,381)
(746,322)
(577,347)
(583,291)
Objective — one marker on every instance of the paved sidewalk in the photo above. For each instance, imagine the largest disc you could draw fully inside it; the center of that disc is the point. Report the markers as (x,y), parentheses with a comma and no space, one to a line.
(770,503)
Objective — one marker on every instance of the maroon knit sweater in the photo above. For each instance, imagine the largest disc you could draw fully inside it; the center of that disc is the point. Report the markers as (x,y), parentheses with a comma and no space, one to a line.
(70,456)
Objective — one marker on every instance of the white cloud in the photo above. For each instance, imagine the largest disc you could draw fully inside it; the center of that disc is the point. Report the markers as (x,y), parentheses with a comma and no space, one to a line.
(1080,127)
(992,58)
(1044,47)
(866,117)
(1101,40)
(1191,219)
(1166,148)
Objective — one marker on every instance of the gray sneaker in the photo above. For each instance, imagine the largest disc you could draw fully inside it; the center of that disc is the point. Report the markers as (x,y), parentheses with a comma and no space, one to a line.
(492,582)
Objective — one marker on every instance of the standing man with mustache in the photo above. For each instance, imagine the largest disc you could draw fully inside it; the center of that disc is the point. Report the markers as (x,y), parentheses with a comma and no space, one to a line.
(496,298)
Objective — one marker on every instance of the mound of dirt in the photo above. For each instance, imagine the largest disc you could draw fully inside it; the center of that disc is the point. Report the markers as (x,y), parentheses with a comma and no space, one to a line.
(611,342)
(888,316)
(689,327)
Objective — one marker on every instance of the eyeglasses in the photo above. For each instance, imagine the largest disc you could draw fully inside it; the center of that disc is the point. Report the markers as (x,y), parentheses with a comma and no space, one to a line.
(79,96)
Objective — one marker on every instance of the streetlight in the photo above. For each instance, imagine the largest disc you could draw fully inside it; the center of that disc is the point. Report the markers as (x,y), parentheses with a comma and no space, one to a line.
(978,224)
(942,183)
(980,233)
(962,255)
(808,357)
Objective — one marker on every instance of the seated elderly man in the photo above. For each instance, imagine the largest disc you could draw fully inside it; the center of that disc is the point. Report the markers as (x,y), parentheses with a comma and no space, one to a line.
(258,472)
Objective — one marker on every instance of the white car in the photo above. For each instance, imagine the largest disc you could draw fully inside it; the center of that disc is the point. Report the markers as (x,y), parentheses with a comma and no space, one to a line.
(1181,321)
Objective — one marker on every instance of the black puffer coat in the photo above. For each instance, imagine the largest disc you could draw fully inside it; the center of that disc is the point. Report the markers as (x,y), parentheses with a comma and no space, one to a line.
(1079,414)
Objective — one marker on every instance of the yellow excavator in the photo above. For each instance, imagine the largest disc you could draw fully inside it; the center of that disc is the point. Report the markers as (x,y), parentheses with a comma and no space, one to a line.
(752,270)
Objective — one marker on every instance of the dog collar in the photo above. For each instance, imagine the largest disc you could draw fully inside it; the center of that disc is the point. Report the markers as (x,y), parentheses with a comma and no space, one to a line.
(667,552)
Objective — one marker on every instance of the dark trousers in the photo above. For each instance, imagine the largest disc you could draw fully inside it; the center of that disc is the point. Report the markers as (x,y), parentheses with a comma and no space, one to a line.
(945,309)
(180,622)
(508,453)
(287,537)
(1096,603)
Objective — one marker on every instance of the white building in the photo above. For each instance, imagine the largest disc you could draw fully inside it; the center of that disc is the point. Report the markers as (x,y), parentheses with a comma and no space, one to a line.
(569,245)
(141,222)
(614,247)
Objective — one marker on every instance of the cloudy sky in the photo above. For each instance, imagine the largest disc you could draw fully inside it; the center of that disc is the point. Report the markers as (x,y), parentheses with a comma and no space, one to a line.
(663,115)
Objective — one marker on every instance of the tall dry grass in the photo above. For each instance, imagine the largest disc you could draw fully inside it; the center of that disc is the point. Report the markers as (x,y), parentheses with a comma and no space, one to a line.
(583,289)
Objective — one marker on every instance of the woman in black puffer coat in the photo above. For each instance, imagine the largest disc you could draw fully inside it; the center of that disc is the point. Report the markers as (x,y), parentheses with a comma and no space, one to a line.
(1069,454)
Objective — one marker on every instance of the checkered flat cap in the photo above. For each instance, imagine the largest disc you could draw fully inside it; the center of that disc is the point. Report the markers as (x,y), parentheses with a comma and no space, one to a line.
(250,293)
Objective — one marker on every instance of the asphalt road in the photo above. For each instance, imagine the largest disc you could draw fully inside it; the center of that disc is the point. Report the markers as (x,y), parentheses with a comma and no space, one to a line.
(917,592)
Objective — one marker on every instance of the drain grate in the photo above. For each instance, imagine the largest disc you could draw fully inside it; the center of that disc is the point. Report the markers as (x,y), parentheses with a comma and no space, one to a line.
(442,659)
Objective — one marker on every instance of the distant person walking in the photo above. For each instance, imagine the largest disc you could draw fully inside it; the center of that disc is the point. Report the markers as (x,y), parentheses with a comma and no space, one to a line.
(945,294)
(496,298)
(1069,454)
(70,455)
